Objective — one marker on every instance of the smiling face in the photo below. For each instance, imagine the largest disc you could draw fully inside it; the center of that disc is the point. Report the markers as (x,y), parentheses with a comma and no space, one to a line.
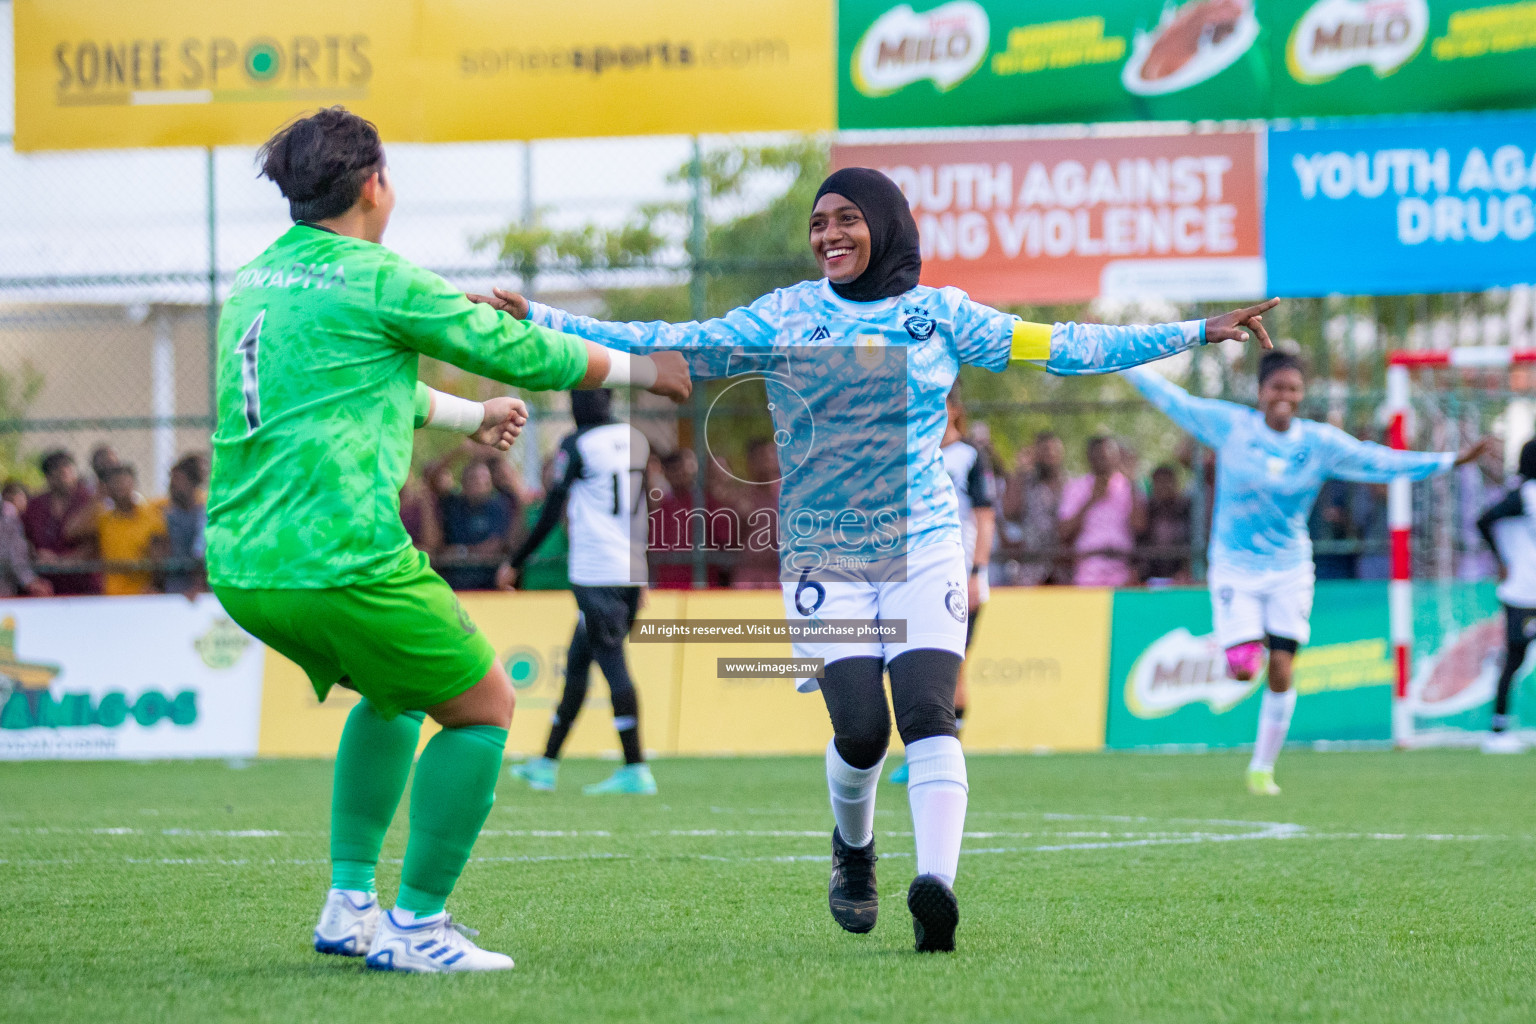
(1279,396)
(839,238)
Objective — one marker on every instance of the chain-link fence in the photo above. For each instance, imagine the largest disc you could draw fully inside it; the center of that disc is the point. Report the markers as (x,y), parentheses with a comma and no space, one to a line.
(112,266)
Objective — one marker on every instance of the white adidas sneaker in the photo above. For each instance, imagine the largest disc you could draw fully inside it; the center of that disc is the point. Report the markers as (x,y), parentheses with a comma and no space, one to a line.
(435,945)
(348,922)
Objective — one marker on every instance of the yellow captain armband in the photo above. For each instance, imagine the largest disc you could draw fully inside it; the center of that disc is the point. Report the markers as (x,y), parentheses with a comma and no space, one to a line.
(1031,342)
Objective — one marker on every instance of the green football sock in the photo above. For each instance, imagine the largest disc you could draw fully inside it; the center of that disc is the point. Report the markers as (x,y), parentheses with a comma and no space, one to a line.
(372,764)
(455,783)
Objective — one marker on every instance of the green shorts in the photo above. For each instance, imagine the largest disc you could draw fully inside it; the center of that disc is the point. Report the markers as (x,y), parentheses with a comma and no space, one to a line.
(403,640)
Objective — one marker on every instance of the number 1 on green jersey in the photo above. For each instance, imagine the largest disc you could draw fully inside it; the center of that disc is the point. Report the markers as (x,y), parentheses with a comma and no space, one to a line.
(249,382)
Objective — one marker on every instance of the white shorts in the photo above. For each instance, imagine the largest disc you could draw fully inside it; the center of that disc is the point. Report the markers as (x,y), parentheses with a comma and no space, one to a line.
(1248,606)
(931,599)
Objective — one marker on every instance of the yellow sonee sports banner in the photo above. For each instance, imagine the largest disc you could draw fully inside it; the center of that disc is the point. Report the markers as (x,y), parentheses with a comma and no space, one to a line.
(99,74)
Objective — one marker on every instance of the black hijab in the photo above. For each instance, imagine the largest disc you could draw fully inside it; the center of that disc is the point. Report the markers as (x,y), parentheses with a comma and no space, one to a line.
(592,408)
(895,259)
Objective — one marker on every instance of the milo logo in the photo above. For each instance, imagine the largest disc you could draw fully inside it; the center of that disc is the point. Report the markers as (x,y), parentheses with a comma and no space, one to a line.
(945,45)
(1336,35)
(1179,668)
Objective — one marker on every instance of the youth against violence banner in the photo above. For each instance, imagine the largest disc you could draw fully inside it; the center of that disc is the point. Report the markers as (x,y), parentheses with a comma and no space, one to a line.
(1063,220)
(983,62)
(99,74)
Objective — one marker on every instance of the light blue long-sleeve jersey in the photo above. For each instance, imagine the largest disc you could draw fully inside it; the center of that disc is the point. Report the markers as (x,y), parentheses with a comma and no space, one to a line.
(935,329)
(1267,481)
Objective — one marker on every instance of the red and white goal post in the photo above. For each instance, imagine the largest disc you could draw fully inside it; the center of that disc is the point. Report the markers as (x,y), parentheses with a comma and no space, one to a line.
(1401,364)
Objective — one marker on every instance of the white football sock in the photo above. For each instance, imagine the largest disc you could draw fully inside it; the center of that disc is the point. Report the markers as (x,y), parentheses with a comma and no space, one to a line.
(1274,722)
(938,792)
(409,917)
(853,796)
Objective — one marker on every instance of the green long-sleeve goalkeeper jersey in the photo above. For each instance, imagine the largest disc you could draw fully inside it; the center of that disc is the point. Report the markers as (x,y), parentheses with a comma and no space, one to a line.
(318,348)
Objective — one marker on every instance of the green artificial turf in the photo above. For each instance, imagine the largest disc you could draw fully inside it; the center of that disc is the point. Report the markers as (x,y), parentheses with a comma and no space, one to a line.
(1113,887)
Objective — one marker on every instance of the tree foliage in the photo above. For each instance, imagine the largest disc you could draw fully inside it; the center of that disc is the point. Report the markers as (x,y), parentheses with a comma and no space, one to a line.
(751,245)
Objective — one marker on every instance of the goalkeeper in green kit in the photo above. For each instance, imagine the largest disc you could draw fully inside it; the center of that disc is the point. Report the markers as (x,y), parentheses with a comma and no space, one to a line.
(318,347)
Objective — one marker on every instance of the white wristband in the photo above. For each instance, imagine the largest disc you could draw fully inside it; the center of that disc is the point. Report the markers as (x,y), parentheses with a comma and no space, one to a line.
(450,412)
(627,370)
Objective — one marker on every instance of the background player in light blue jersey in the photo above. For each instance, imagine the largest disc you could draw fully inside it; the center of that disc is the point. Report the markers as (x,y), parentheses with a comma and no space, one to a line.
(865,316)
(1270,466)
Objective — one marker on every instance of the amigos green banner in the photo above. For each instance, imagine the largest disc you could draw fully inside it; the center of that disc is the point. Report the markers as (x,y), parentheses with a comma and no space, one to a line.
(999,62)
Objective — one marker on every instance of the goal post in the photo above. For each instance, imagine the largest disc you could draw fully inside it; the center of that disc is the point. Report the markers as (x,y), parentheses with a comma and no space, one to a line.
(1401,366)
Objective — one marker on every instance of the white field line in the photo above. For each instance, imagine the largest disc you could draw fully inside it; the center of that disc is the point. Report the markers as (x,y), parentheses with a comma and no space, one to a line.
(1208,830)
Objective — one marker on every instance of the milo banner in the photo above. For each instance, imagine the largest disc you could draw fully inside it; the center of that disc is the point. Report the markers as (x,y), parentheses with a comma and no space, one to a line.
(102,74)
(1407,206)
(1168,682)
(1458,654)
(1064,220)
(984,62)
(126,677)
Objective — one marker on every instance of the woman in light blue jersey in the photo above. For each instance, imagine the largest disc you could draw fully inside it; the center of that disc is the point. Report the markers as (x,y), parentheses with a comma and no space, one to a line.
(1270,465)
(857,366)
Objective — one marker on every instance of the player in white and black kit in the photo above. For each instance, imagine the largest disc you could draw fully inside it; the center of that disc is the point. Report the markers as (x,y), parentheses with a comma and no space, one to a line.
(599,476)
(970,473)
(1509,527)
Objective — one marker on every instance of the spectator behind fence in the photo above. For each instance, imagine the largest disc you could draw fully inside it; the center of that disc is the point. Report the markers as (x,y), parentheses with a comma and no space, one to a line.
(1478,485)
(1032,500)
(1368,511)
(1200,463)
(128,529)
(103,458)
(1100,515)
(758,504)
(507,480)
(1168,530)
(419,514)
(676,523)
(16,575)
(477,526)
(186,518)
(547,567)
(47,518)
(1330,524)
